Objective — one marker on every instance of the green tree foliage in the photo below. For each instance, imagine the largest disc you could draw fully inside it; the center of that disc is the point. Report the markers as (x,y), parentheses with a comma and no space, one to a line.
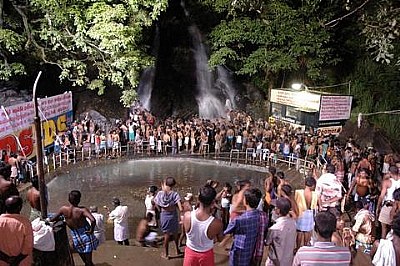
(264,39)
(382,31)
(376,89)
(95,43)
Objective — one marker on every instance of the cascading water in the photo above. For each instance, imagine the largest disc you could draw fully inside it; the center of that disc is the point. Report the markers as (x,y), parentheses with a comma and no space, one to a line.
(145,87)
(146,82)
(213,98)
(210,106)
(225,84)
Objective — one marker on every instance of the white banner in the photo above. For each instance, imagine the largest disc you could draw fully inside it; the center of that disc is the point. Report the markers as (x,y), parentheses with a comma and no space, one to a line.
(20,116)
(300,99)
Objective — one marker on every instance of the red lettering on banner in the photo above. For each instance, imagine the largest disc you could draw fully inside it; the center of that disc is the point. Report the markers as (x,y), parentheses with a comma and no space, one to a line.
(26,140)
(9,143)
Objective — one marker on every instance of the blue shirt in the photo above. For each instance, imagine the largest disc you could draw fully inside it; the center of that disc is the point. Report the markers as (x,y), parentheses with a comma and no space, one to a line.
(245,230)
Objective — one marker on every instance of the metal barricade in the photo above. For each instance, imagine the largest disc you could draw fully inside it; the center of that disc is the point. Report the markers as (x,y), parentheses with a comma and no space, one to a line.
(231,155)
(251,151)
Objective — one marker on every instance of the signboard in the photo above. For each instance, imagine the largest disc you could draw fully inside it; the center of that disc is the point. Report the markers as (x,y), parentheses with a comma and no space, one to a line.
(335,107)
(333,130)
(300,99)
(16,122)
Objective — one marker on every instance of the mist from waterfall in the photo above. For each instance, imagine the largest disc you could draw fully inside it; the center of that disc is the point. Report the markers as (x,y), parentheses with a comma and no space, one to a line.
(146,82)
(225,83)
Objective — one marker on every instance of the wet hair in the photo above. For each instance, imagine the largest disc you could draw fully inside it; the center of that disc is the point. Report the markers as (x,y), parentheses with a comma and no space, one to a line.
(330,168)
(153,189)
(287,189)
(207,195)
(325,224)
(396,194)
(281,175)
(284,205)
(310,182)
(396,224)
(13,204)
(170,181)
(116,201)
(228,185)
(74,197)
(253,197)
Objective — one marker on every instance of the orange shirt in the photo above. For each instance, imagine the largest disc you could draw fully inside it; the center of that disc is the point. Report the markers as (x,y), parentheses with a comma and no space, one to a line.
(16,237)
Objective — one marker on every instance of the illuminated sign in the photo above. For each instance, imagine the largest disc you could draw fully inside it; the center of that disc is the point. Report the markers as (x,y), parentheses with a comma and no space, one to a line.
(300,99)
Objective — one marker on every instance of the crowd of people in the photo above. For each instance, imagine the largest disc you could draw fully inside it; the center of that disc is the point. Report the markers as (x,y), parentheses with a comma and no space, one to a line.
(349,206)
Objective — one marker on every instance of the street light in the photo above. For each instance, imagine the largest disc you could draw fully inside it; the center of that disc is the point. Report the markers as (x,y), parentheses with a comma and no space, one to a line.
(298,86)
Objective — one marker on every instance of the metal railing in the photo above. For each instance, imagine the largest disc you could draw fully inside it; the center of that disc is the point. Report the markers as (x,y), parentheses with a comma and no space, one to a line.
(251,156)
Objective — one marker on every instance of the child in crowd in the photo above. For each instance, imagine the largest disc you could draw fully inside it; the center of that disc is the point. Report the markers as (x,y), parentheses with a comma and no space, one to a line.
(187,206)
(150,205)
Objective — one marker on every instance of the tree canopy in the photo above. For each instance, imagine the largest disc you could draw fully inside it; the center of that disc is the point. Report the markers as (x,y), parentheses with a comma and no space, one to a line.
(269,41)
(95,43)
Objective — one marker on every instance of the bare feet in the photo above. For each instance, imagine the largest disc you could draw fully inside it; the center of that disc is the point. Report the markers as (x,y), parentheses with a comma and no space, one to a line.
(164,256)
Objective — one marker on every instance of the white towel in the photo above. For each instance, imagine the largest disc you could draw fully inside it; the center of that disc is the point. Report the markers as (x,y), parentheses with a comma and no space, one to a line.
(43,237)
(385,255)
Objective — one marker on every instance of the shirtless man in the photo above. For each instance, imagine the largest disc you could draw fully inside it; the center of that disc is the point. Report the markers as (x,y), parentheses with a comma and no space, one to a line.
(144,235)
(385,201)
(13,161)
(7,188)
(363,184)
(82,233)
(33,197)
(306,200)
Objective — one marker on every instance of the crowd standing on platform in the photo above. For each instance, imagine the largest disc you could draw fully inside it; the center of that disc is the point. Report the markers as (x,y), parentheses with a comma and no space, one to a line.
(342,210)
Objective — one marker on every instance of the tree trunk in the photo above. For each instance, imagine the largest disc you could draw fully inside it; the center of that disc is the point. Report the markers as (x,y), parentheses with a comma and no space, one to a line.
(1,13)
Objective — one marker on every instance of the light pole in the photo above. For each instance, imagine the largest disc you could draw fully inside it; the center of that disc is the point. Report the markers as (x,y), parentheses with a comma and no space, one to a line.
(39,152)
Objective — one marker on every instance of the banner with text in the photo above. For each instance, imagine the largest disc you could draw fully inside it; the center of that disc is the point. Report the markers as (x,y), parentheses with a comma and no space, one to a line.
(16,122)
(335,107)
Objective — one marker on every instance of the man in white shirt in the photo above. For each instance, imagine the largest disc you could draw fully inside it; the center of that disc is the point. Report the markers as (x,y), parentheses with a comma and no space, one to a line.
(120,217)
(329,189)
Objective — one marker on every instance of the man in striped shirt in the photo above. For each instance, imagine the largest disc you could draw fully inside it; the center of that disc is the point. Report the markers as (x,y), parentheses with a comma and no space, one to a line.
(324,252)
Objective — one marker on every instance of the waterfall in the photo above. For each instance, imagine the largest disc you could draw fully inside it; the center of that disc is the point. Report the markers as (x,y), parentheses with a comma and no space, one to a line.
(215,95)
(146,87)
(210,106)
(225,84)
(146,81)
